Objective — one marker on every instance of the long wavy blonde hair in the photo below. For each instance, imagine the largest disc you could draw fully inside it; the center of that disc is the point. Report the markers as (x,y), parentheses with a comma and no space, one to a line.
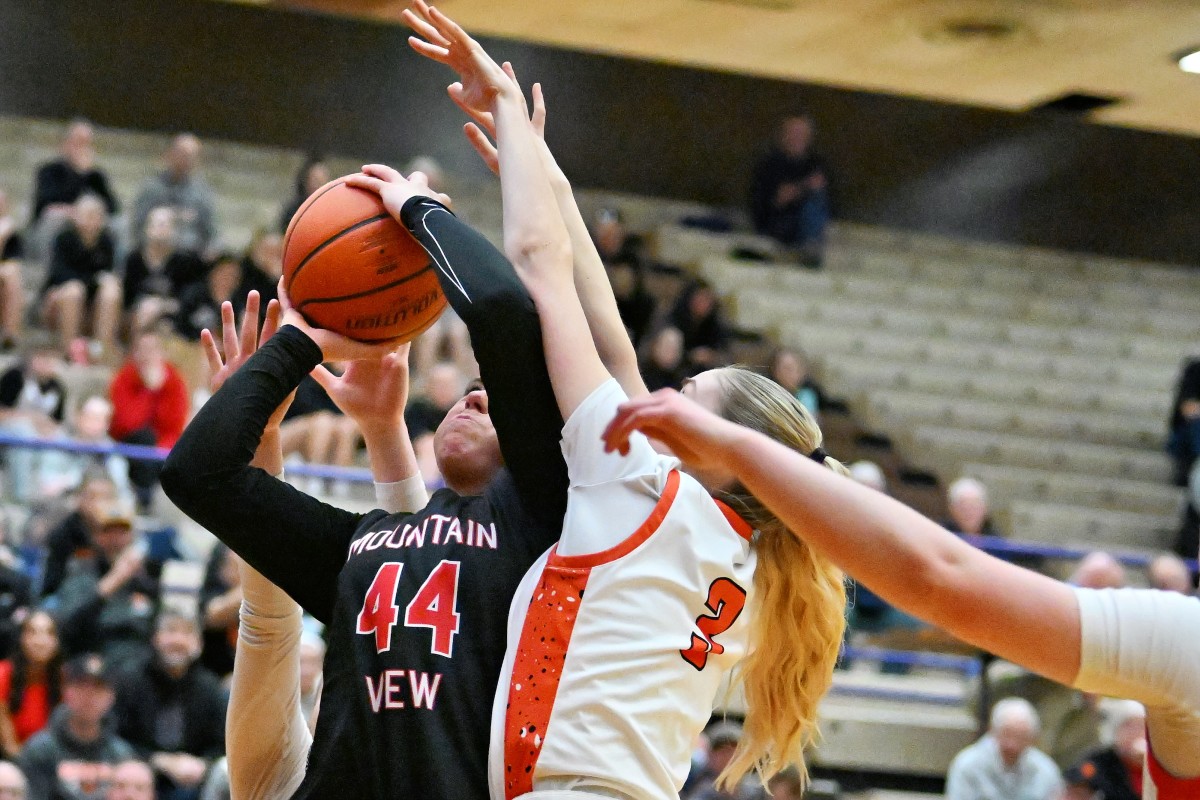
(798,620)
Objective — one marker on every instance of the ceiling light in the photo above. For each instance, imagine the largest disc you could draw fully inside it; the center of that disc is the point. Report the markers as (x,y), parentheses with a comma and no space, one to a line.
(1190,61)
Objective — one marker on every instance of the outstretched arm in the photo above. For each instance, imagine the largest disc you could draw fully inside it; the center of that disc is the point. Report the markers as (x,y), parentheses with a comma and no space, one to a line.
(908,560)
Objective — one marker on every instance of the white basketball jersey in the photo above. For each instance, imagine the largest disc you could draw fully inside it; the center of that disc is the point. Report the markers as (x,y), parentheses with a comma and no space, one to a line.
(615,657)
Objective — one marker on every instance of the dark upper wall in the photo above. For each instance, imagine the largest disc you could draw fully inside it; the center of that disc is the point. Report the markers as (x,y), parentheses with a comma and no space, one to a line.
(343,86)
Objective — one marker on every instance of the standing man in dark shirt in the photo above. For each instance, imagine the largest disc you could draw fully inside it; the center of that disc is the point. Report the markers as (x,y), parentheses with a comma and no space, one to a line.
(789,198)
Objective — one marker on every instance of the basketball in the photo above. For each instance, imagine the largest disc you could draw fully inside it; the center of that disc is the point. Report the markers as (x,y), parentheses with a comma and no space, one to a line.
(349,267)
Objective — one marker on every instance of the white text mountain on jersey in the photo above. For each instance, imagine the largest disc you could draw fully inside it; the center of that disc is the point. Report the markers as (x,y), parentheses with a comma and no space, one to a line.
(436,529)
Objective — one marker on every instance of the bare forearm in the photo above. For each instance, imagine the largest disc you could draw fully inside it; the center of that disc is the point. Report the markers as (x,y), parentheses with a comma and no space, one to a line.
(914,563)
(390,451)
(269,455)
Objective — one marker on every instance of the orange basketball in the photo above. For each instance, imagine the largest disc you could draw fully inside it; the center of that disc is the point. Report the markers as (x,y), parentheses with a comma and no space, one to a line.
(350,268)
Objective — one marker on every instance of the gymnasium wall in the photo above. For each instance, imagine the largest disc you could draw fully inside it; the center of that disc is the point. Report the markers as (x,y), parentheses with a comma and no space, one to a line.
(341,86)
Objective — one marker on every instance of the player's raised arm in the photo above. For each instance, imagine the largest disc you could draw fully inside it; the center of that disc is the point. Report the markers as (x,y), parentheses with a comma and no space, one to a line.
(906,559)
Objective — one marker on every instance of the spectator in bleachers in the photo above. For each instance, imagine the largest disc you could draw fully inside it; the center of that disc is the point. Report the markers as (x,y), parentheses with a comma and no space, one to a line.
(75,535)
(1183,443)
(312,659)
(157,271)
(723,739)
(790,370)
(443,387)
(262,267)
(220,603)
(967,502)
(59,183)
(172,709)
(786,785)
(32,402)
(313,174)
(12,285)
(181,187)
(131,780)
(82,278)
(697,315)
(108,600)
(30,682)
(1168,573)
(868,473)
(150,407)
(60,471)
(13,785)
(200,303)
(662,364)
(16,598)
(74,757)
(317,429)
(789,197)
(446,340)
(1115,773)
(1004,764)
(613,241)
(634,303)
(1098,570)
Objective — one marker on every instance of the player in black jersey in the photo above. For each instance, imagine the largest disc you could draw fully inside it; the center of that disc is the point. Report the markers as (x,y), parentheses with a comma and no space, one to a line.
(415,604)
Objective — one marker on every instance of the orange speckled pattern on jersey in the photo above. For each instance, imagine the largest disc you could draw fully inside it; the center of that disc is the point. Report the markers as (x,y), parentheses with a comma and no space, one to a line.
(537,671)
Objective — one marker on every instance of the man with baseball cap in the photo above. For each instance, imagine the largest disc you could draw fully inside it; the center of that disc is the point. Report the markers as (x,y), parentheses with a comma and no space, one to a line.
(723,738)
(73,758)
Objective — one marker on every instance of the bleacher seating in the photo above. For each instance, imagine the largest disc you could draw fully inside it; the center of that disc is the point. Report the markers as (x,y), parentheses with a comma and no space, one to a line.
(1047,375)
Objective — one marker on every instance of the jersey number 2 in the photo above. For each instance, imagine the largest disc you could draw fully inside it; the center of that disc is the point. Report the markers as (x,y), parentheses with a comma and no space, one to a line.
(434,606)
(725,600)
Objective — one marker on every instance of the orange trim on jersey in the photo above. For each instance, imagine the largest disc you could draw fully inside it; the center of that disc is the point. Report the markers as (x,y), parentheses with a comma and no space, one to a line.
(537,670)
(632,542)
(735,520)
(1168,786)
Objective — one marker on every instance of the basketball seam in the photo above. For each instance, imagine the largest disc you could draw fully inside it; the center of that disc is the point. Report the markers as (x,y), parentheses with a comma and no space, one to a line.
(331,240)
(368,292)
(300,212)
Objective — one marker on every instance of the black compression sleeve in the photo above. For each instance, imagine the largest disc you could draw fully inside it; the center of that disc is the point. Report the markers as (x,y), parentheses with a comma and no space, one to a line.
(296,541)
(506,335)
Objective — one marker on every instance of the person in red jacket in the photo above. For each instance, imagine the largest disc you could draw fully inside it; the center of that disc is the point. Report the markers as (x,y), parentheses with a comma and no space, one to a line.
(150,407)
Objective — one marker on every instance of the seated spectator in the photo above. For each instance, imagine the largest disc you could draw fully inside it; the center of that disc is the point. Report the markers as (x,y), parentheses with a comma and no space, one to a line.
(74,757)
(967,502)
(1168,573)
(30,682)
(317,429)
(32,400)
(181,187)
(200,303)
(220,604)
(108,600)
(1004,764)
(262,267)
(131,780)
(313,174)
(158,271)
(312,661)
(723,739)
(1098,570)
(59,183)
(789,198)
(697,315)
(13,785)
(61,471)
(443,388)
(75,534)
(172,709)
(150,407)
(786,785)
(790,370)
(82,278)
(662,360)
(16,599)
(12,285)
(1115,772)
(634,303)
(1183,443)
(613,240)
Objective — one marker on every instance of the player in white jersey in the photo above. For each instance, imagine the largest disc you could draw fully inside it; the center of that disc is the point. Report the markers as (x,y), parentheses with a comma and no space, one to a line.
(267,737)
(620,636)
(1139,644)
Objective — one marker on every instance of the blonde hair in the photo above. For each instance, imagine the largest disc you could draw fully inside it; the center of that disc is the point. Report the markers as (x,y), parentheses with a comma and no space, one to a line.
(798,620)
